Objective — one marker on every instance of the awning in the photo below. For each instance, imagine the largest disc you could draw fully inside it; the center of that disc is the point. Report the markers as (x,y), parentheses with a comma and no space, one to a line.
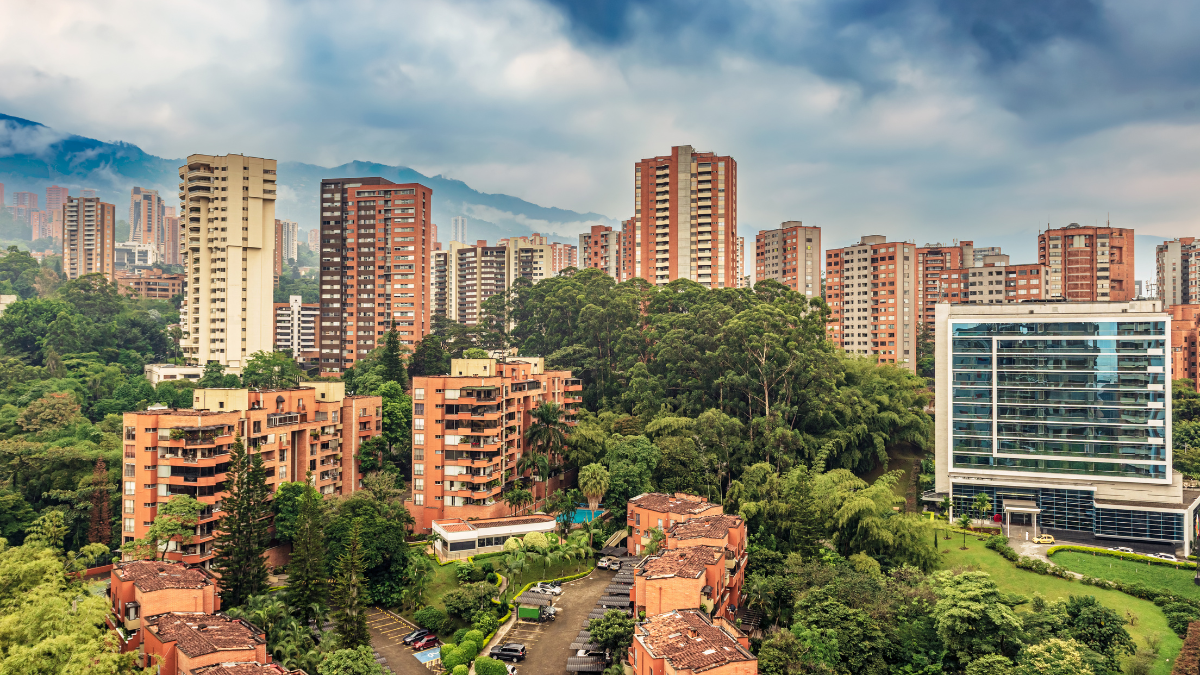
(1020,506)
(531,599)
(584,664)
(617,600)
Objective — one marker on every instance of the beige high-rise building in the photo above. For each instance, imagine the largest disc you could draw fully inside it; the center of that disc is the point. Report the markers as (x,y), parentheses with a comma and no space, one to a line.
(228,250)
(1176,262)
(88,231)
(871,291)
(790,254)
(536,258)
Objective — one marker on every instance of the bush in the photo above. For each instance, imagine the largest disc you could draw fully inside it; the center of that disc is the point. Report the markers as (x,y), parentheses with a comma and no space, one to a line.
(452,657)
(484,621)
(464,570)
(459,636)
(1187,662)
(1043,567)
(999,544)
(430,617)
(486,665)
(487,568)
(476,636)
(460,669)
(1179,615)
(493,578)
(1122,555)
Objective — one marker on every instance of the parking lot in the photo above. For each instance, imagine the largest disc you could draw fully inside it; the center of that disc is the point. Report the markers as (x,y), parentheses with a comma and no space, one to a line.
(386,636)
(548,642)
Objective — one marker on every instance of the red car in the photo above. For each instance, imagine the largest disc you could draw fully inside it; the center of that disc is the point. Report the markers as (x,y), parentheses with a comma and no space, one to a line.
(428,642)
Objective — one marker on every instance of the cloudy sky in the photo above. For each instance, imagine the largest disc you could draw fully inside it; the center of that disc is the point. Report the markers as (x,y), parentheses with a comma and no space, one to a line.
(919,119)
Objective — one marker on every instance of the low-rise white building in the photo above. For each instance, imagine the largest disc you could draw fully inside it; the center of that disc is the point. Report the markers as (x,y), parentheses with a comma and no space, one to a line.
(457,538)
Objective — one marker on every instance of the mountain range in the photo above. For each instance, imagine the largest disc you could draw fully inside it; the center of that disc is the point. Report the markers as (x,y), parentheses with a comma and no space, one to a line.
(34,156)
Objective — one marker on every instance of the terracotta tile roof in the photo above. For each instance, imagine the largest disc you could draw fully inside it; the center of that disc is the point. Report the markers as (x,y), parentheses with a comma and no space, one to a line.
(689,641)
(457,527)
(151,575)
(687,562)
(245,668)
(706,527)
(198,633)
(683,504)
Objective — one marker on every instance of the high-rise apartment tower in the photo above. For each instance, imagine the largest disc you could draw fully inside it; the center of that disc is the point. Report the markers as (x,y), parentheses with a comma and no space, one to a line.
(685,218)
(376,239)
(146,214)
(88,233)
(790,254)
(1175,264)
(228,203)
(1088,264)
(601,248)
(870,291)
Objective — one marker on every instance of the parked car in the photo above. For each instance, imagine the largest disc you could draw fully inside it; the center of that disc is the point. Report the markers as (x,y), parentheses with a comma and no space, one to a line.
(1043,539)
(415,635)
(428,642)
(548,589)
(513,651)
(1165,556)
(609,563)
(512,670)
(1122,549)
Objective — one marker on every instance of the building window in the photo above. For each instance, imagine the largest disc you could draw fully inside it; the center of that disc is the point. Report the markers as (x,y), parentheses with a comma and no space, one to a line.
(418,469)
(418,499)
(419,423)
(418,394)
(128,527)
(418,439)
(130,487)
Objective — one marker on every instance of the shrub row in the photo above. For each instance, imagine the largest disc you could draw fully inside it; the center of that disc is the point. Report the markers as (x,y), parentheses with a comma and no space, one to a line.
(1188,661)
(1042,567)
(1122,555)
(999,544)
(1178,611)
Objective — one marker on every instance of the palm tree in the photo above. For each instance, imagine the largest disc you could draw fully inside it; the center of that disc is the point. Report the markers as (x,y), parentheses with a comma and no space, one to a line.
(945,504)
(546,437)
(514,562)
(983,506)
(759,594)
(516,499)
(657,538)
(593,482)
(964,521)
(592,528)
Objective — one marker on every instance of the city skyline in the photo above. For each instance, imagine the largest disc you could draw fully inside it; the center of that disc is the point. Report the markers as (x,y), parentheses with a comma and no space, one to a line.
(1052,115)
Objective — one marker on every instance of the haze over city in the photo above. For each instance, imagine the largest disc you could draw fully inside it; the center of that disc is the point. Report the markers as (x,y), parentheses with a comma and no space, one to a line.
(923,121)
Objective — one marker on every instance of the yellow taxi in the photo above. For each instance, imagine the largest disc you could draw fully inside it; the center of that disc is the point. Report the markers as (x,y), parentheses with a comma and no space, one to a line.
(1043,539)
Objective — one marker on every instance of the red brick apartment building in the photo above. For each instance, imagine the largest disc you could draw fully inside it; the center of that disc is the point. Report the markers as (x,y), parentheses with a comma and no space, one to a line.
(140,588)
(182,642)
(376,240)
(1088,264)
(871,291)
(703,565)
(685,642)
(685,219)
(468,427)
(171,451)
(652,510)
(150,283)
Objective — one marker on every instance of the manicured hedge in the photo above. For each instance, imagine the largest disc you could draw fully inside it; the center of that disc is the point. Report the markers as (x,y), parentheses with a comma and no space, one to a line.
(1188,661)
(1122,555)
(999,544)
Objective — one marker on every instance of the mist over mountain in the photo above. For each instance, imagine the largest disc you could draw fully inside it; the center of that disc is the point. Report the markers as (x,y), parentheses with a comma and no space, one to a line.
(34,156)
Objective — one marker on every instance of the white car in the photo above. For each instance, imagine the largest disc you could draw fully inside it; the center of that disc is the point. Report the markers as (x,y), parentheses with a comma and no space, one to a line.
(512,670)
(1122,549)
(547,589)
(1165,556)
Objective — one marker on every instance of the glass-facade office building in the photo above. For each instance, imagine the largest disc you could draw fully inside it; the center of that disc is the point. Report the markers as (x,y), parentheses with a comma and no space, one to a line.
(1065,405)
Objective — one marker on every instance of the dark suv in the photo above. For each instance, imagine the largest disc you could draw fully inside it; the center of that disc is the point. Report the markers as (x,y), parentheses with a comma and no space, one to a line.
(513,651)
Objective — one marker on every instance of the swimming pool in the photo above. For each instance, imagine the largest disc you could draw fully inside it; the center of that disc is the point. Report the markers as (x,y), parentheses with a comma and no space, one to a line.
(583,515)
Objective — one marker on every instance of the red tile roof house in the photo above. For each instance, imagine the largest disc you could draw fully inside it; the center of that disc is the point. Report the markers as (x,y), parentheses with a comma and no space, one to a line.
(181,642)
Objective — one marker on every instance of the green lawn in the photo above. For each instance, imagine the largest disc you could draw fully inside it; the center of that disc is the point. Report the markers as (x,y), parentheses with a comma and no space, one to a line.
(1150,618)
(1180,582)
(445,579)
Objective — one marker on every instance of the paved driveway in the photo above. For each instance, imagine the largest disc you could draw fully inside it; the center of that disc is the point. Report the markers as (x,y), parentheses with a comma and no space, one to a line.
(548,642)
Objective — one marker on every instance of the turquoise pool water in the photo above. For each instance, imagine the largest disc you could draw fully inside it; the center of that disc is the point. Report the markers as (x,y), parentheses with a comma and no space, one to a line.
(584,515)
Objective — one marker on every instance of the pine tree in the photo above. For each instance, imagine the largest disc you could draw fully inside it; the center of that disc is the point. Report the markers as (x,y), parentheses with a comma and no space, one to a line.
(308,587)
(350,612)
(390,364)
(244,529)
